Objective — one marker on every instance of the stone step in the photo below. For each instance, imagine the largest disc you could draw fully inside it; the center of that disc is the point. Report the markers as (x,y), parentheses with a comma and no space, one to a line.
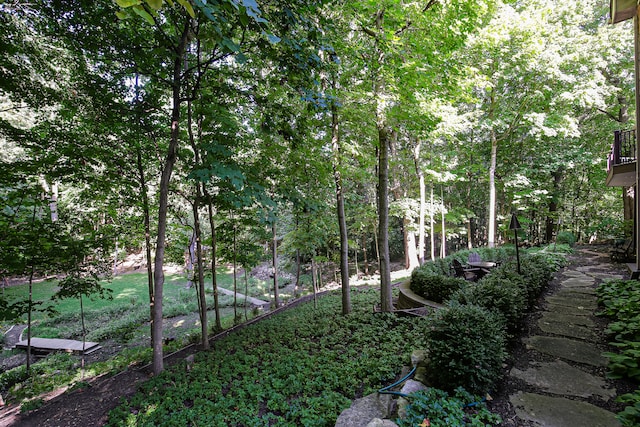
(560,412)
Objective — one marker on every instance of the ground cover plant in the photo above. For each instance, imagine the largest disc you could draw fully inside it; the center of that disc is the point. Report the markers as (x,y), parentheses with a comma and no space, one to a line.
(300,367)
(620,301)
(437,408)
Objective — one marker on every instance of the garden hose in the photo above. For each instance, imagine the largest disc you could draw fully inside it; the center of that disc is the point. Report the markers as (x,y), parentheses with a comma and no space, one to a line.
(385,390)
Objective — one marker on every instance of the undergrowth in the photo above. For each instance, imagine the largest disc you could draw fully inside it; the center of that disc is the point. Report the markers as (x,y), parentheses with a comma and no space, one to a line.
(300,367)
(620,301)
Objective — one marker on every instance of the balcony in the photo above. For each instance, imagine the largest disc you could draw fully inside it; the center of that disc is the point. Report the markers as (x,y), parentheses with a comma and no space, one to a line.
(621,164)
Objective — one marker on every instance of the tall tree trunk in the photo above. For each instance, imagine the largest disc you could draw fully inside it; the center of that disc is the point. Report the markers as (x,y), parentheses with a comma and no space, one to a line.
(552,219)
(200,268)
(246,292)
(214,276)
(29,315)
(115,259)
(147,233)
(432,228)
(365,259)
(408,235)
(443,244)
(386,297)
(274,256)
(84,338)
(298,268)
(190,261)
(491,238)
(423,202)
(235,270)
(314,281)
(342,222)
(158,275)
(202,299)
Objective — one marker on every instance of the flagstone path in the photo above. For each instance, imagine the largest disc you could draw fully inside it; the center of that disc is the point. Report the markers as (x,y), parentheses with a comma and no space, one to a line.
(564,377)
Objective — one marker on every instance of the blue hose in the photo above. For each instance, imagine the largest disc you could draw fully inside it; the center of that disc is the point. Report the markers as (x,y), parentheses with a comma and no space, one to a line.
(385,390)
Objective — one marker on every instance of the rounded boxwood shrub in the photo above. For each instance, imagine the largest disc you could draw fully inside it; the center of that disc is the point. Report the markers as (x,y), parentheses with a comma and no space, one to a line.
(503,294)
(466,348)
(435,287)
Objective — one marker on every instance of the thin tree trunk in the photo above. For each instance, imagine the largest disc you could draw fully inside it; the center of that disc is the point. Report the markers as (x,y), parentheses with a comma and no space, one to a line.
(84,338)
(297,271)
(314,282)
(29,310)
(355,254)
(342,222)
(421,229)
(202,299)
(469,231)
(552,218)
(235,269)
(214,276)
(147,234)
(443,244)
(115,260)
(246,292)
(163,204)
(386,297)
(364,256)
(491,238)
(274,254)
(203,302)
(432,228)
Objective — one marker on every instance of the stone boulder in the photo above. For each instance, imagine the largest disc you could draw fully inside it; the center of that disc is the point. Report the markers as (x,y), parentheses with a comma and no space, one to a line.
(366,409)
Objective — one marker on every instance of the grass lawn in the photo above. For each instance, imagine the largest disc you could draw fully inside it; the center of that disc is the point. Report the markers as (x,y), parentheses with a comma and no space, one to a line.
(129,298)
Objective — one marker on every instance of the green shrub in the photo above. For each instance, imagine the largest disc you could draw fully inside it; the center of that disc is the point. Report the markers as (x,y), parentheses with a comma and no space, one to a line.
(566,237)
(504,294)
(435,287)
(460,410)
(466,348)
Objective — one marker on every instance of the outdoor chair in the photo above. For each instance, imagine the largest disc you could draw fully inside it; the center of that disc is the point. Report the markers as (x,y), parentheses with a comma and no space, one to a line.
(470,274)
(474,257)
(623,251)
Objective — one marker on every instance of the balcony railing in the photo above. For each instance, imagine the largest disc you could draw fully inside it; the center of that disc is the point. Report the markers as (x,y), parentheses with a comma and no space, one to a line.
(623,149)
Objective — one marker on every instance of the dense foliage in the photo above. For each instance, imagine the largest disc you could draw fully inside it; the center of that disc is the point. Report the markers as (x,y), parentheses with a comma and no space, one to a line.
(620,301)
(433,286)
(300,367)
(467,339)
(461,409)
(467,346)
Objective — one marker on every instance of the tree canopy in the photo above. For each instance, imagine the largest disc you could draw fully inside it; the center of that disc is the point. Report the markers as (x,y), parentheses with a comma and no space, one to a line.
(353,131)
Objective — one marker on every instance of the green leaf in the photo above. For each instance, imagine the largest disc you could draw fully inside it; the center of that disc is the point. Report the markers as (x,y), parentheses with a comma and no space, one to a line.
(139,10)
(273,39)
(188,8)
(122,15)
(127,3)
(154,4)
(230,45)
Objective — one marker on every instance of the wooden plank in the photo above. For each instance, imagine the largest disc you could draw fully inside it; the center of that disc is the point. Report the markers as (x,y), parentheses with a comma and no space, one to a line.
(48,345)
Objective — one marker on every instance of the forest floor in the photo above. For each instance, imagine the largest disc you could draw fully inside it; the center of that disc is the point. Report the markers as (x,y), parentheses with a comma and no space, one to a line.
(91,404)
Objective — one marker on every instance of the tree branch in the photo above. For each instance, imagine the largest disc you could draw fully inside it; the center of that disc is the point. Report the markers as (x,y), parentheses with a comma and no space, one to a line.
(608,114)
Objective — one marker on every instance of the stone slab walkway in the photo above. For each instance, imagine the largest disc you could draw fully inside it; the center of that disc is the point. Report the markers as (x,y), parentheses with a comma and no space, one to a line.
(565,376)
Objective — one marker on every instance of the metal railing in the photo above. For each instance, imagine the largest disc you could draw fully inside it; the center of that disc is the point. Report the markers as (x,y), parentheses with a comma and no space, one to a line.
(623,149)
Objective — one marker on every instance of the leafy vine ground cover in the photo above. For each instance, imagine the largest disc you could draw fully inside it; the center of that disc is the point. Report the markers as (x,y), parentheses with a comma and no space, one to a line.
(301,367)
